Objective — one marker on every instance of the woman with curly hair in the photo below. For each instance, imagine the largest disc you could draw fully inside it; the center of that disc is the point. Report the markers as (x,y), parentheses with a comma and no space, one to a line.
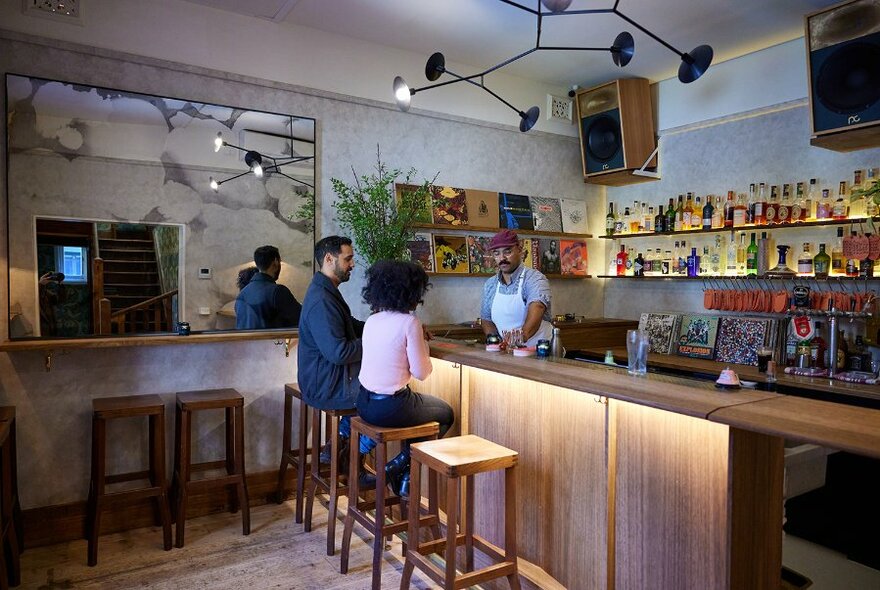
(395,351)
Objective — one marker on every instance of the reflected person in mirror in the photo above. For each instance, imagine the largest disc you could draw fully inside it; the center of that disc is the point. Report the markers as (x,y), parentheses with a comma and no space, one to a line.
(52,293)
(263,303)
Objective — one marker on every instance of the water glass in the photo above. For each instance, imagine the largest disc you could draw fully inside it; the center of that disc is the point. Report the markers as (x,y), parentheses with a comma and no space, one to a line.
(637,346)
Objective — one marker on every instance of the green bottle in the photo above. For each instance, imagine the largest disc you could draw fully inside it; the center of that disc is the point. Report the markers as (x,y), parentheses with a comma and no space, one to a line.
(752,258)
(821,263)
(670,216)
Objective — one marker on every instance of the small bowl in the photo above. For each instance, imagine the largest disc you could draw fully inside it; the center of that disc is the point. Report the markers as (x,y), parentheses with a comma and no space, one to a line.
(530,351)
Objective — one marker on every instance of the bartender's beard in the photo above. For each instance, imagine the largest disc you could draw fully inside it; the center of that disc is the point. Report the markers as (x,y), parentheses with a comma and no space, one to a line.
(509,269)
(342,274)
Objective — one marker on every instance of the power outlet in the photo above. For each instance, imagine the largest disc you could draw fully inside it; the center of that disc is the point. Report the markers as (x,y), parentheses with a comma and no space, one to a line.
(558,108)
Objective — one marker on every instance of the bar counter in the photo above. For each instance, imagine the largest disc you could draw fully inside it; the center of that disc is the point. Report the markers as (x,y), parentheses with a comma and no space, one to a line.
(637,482)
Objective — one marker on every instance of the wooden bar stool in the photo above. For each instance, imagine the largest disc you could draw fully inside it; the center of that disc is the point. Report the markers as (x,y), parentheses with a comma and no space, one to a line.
(456,458)
(10,572)
(7,414)
(357,509)
(188,402)
(328,481)
(132,406)
(290,456)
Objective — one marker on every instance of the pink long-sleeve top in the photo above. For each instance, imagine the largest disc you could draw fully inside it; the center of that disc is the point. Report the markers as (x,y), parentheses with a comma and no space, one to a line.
(395,350)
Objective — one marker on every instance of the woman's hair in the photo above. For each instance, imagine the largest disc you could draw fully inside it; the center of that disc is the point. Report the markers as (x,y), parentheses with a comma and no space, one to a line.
(245,275)
(395,285)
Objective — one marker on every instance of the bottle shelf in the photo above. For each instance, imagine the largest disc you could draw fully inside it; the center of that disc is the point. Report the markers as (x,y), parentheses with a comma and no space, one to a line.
(755,279)
(486,275)
(435,228)
(745,228)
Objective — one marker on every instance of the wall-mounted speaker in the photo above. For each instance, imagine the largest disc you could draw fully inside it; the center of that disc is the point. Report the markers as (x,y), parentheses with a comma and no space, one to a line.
(843,66)
(616,124)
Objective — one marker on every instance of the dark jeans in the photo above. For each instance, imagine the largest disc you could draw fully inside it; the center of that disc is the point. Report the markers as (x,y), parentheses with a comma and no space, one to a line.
(404,408)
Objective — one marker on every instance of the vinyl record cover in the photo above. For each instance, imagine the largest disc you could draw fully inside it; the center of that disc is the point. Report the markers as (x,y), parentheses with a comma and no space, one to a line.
(450,254)
(740,338)
(546,213)
(574,216)
(425,214)
(449,206)
(549,261)
(696,336)
(530,255)
(573,257)
(482,207)
(421,251)
(481,260)
(661,329)
(514,211)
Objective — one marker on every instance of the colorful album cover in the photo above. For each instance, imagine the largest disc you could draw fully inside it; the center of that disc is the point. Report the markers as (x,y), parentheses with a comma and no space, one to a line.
(546,214)
(514,211)
(425,215)
(661,329)
(573,257)
(549,257)
(482,207)
(574,216)
(450,254)
(696,336)
(739,339)
(481,260)
(421,250)
(449,206)
(530,254)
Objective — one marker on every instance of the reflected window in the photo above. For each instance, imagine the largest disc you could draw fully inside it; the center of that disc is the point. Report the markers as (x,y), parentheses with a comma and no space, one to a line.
(72,261)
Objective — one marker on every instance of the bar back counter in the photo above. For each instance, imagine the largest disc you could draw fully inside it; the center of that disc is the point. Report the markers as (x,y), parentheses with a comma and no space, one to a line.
(629,482)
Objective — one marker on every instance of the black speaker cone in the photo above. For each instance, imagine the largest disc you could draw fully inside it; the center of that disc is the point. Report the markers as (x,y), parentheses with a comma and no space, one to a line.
(849,80)
(603,138)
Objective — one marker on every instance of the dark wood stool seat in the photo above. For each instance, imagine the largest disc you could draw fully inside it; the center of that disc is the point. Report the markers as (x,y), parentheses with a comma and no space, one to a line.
(10,572)
(456,458)
(132,406)
(188,402)
(299,456)
(357,509)
(327,480)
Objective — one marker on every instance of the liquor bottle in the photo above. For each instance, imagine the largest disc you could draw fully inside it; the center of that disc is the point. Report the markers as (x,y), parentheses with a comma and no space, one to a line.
(752,257)
(838,264)
(856,203)
(783,212)
(741,255)
(730,267)
(660,222)
(715,257)
(621,261)
(630,261)
(708,212)
(772,206)
(609,220)
(818,346)
(693,263)
(697,215)
(705,258)
(740,211)
(688,212)
(840,209)
(635,219)
(812,198)
(666,263)
(728,210)
(872,209)
(763,254)
(682,258)
(798,206)
(674,268)
(639,266)
(670,216)
(612,263)
(648,215)
(679,214)
(750,205)
(627,218)
(658,262)
(648,266)
(866,265)
(824,206)
(718,214)
(760,214)
(618,222)
(821,263)
(805,261)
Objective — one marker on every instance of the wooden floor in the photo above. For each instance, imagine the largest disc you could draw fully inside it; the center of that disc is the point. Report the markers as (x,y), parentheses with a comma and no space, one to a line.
(277,554)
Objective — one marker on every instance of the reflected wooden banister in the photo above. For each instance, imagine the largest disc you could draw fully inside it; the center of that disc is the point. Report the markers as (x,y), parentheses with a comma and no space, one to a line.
(138,315)
(100,304)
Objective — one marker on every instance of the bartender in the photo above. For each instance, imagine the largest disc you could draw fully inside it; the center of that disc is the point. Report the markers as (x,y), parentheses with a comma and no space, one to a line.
(517,297)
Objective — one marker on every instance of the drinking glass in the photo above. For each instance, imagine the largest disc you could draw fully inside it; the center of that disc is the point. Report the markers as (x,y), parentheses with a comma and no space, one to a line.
(765,355)
(637,346)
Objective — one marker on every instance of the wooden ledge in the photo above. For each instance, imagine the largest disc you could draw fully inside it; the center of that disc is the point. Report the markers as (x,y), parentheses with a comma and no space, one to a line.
(49,344)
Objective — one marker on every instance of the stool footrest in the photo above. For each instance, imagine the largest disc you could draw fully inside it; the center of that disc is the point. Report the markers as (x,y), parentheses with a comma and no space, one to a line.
(438,545)
(201,485)
(132,476)
(491,572)
(127,495)
(207,465)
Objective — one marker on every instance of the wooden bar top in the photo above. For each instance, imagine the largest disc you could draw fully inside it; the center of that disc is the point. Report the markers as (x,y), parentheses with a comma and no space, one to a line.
(825,423)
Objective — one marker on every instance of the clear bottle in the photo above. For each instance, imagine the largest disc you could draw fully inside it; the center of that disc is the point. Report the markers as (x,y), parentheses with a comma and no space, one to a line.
(686,222)
(838,263)
(856,203)
(760,213)
(805,261)
(752,257)
(750,204)
(718,214)
(630,261)
(730,266)
(682,258)
(840,209)
(648,216)
(704,261)
(627,218)
(821,263)
(783,212)
(612,263)
(824,206)
(618,222)
(697,215)
(609,220)
(658,262)
(666,263)
(872,209)
(741,255)
(740,211)
(812,199)
(715,257)
(772,206)
(729,206)
(799,205)
(674,267)
(635,219)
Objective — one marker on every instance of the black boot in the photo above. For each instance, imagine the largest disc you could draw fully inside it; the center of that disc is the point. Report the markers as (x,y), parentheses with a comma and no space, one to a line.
(366,480)
(396,471)
(341,456)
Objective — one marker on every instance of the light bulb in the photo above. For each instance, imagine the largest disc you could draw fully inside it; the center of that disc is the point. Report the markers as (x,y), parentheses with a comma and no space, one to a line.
(258,170)
(402,94)
(218,142)
(214,185)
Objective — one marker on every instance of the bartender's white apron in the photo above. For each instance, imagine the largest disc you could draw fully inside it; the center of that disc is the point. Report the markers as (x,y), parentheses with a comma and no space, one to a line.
(509,313)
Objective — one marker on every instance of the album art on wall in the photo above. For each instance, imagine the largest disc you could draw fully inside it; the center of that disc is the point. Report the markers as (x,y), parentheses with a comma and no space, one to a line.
(421,251)
(514,211)
(549,260)
(546,214)
(530,255)
(573,257)
(696,336)
(450,206)
(574,216)
(482,207)
(425,215)
(480,258)
(450,254)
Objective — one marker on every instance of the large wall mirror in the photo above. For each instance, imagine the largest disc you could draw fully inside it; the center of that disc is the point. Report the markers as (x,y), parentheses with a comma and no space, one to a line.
(129,213)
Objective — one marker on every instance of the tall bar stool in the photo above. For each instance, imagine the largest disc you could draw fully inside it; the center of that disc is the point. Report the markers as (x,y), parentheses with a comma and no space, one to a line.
(327,481)
(299,457)
(188,402)
(10,572)
(132,406)
(456,458)
(357,509)
(7,414)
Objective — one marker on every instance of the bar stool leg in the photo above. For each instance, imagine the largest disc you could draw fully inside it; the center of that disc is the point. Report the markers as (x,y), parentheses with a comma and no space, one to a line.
(242,493)
(379,536)
(453,485)
(98,439)
(301,468)
(510,550)
(174,491)
(7,516)
(353,492)
(157,471)
(285,447)
(184,450)
(17,517)
(315,467)
(412,530)
(469,523)
(434,501)
(230,455)
(333,427)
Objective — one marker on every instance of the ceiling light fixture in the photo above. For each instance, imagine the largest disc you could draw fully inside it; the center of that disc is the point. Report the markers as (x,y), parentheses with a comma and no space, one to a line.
(255,162)
(693,64)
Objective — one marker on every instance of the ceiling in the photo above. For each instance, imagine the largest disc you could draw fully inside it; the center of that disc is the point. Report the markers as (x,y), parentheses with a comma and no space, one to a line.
(482,33)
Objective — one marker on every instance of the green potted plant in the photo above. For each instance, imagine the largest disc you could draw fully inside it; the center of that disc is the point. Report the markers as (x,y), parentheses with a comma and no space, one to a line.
(380,221)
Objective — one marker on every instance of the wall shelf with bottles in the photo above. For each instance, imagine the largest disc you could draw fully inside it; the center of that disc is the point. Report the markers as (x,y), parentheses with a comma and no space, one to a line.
(745,228)
(746,280)
(486,275)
